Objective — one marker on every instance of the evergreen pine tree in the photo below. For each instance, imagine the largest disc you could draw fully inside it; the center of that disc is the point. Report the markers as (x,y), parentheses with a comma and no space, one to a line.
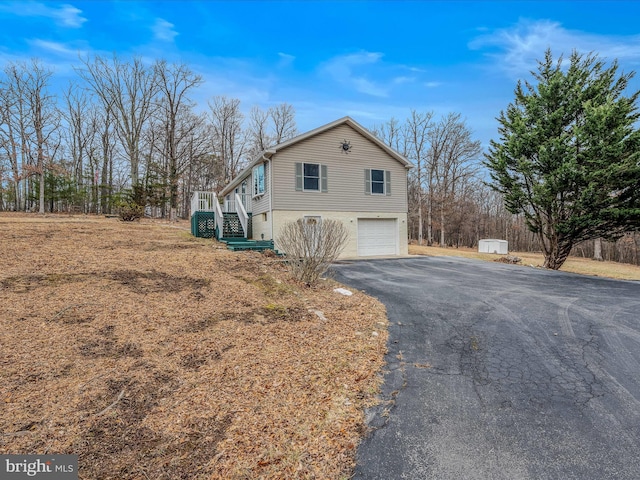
(568,157)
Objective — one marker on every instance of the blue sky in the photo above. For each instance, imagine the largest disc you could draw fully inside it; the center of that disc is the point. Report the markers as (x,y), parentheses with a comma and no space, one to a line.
(372,60)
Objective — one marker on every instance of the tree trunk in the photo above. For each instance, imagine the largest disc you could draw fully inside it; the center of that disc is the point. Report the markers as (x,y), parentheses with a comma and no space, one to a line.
(39,125)
(442,225)
(597,249)
(41,209)
(110,184)
(420,226)
(556,252)
(430,216)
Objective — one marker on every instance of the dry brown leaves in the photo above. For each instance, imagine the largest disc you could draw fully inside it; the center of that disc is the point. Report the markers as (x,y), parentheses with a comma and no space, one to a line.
(582,266)
(153,354)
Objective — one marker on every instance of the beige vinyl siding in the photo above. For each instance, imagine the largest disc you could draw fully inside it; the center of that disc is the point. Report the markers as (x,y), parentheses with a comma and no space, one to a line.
(350,221)
(345,174)
(259,204)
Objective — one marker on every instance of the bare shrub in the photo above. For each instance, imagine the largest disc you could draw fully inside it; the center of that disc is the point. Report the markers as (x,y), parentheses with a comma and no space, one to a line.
(311,246)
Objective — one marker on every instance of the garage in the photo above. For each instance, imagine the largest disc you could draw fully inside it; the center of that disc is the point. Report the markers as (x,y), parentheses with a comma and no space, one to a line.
(377,236)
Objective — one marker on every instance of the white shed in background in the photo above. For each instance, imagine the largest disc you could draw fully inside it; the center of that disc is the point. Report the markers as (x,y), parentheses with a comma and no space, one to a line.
(491,245)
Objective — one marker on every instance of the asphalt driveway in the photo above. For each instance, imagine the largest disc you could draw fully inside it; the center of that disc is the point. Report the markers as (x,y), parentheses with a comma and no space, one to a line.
(502,372)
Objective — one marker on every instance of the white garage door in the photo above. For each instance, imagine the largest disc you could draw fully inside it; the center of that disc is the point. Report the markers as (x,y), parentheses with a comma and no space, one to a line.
(377,236)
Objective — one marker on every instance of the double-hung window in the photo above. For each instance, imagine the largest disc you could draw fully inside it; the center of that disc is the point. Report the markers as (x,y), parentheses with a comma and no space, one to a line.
(258,180)
(377,182)
(311,177)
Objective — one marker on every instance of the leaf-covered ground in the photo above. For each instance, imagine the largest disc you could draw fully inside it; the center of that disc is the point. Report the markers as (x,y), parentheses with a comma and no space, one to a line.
(155,355)
(583,266)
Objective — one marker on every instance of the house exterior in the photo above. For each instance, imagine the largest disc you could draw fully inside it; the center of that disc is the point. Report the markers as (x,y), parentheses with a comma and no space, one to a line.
(338,171)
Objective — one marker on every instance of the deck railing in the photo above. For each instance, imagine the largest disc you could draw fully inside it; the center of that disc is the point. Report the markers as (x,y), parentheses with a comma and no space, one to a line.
(208,202)
(219,219)
(239,203)
(203,202)
(242,215)
(231,204)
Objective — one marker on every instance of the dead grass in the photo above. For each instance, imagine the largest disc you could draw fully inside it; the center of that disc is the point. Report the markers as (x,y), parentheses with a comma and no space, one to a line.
(153,354)
(583,266)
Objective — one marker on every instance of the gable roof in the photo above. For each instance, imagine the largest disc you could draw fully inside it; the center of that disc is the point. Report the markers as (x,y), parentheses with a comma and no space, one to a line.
(269,152)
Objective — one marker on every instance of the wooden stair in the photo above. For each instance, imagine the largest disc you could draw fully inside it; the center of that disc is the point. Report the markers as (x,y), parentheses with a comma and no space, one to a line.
(231,226)
(237,244)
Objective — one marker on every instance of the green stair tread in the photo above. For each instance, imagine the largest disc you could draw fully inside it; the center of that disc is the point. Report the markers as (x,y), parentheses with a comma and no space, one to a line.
(262,244)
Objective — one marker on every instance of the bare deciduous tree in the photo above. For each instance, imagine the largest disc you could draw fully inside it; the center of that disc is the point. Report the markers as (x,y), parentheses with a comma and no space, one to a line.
(175,82)
(30,120)
(259,137)
(417,131)
(9,141)
(442,179)
(229,140)
(393,134)
(105,149)
(127,89)
(453,157)
(16,129)
(283,117)
(269,128)
(45,120)
(79,134)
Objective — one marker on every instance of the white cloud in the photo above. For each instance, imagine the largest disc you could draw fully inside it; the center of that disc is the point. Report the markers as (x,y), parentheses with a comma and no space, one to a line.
(403,79)
(348,70)
(520,46)
(363,85)
(285,59)
(432,84)
(64,15)
(163,30)
(69,16)
(57,48)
